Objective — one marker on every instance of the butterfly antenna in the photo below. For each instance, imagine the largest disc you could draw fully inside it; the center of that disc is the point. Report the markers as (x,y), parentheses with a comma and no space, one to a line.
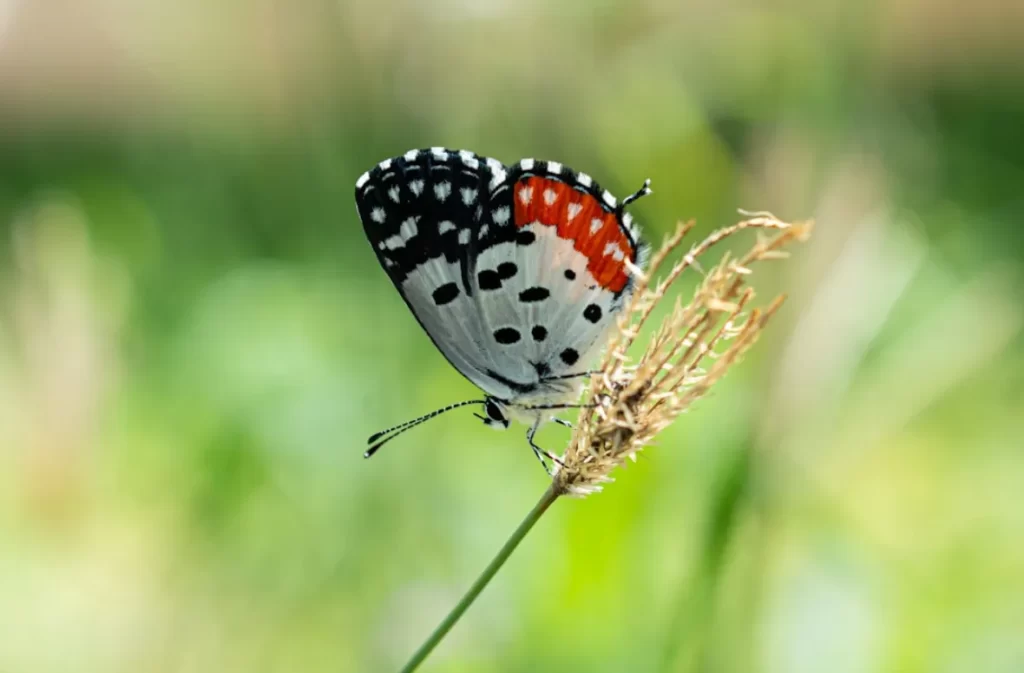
(393,432)
(643,191)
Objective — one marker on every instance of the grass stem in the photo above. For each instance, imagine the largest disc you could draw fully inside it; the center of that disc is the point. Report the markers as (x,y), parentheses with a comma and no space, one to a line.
(492,568)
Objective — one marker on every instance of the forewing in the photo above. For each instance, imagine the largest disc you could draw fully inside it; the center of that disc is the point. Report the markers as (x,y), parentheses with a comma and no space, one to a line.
(423,213)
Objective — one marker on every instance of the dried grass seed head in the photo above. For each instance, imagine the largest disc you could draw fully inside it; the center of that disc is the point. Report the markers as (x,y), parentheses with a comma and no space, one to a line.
(692,348)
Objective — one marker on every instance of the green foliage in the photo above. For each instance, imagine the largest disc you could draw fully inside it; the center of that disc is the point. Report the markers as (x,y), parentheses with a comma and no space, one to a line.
(195,341)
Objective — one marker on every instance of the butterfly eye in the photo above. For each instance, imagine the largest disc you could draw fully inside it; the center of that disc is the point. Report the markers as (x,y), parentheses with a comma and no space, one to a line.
(494,412)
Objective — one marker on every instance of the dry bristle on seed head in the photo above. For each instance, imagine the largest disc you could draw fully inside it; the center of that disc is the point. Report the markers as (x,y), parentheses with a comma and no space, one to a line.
(695,346)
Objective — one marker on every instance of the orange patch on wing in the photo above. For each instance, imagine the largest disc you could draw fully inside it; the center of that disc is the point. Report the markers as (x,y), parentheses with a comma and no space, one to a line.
(578,217)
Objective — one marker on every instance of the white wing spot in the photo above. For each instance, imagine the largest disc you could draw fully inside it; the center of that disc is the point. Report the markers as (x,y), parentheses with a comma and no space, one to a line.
(384,165)
(440,153)
(394,242)
(574,210)
(550,196)
(526,164)
(416,186)
(615,251)
(526,195)
(393,193)
(468,159)
(608,198)
(388,262)
(378,214)
(499,177)
(584,179)
(363,179)
(444,226)
(442,190)
(408,228)
(483,231)
(497,172)
(411,155)
(554,167)
(595,226)
(500,215)
(464,235)
(468,195)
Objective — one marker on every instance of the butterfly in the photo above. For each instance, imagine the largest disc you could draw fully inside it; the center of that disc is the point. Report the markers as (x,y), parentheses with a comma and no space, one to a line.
(516,273)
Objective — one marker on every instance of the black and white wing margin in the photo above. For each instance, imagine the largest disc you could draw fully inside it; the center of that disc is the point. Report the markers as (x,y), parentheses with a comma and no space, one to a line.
(423,213)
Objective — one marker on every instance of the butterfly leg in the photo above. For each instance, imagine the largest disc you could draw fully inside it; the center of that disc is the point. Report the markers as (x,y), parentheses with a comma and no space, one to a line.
(562,422)
(536,407)
(539,452)
(577,375)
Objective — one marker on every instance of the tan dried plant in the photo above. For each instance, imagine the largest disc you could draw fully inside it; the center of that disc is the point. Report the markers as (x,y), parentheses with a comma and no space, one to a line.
(630,402)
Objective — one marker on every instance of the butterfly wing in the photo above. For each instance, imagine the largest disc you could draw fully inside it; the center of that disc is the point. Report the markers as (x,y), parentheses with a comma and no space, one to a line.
(422,213)
(550,285)
(515,273)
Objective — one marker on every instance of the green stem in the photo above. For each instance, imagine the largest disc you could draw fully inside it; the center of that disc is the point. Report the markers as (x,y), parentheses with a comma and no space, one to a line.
(695,603)
(517,536)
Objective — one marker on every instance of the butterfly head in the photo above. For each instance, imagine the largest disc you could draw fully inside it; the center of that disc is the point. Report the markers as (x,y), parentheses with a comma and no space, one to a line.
(494,415)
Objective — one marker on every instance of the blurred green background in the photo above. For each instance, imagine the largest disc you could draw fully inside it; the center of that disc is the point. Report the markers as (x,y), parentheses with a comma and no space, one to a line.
(195,340)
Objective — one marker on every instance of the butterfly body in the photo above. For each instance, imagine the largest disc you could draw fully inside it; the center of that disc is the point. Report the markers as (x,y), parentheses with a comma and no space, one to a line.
(516,273)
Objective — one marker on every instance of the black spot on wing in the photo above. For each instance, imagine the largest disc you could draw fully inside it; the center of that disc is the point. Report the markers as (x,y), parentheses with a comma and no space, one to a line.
(570,274)
(488,279)
(539,332)
(525,237)
(534,294)
(569,356)
(592,313)
(507,269)
(445,294)
(506,335)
